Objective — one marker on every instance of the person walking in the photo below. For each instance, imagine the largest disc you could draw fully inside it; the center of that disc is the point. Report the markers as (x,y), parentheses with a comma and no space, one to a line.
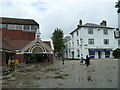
(81,59)
(87,60)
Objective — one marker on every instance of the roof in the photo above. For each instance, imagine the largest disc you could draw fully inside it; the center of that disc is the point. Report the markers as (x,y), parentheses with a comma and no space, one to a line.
(6,20)
(5,46)
(96,26)
(67,38)
(91,25)
(17,44)
(48,43)
(33,44)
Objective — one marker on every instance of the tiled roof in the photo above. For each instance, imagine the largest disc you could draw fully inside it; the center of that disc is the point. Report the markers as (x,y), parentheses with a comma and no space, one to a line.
(17,44)
(96,25)
(48,43)
(91,25)
(5,46)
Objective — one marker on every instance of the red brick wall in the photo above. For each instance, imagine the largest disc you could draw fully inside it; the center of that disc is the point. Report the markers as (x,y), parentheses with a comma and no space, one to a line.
(20,57)
(17,35)
(50,56)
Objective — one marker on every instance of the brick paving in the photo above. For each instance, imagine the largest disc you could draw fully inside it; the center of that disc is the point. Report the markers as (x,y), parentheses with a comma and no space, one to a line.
(102,73)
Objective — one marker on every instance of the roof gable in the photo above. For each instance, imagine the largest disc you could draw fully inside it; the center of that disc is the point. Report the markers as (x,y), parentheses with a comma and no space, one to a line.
(36,43)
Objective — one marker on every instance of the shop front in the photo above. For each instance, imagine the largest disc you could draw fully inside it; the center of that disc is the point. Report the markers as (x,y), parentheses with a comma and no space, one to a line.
(100,53)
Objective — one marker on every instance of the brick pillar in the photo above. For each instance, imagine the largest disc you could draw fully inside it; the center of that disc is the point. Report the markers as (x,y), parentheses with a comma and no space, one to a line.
(51,58)
(3,58)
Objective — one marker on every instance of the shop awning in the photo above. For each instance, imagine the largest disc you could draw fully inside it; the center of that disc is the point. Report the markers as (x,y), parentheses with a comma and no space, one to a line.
(95,50)
(108,50)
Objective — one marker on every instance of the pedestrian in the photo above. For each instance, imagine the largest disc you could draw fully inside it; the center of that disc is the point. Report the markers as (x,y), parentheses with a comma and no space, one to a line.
(81,59)
(87,60)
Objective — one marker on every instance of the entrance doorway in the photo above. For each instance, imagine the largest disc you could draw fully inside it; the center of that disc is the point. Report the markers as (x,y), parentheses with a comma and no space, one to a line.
(31,58)
(72,55)
(99,54)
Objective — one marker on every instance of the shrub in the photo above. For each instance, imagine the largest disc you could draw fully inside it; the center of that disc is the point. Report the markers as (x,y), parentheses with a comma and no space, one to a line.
(116,53)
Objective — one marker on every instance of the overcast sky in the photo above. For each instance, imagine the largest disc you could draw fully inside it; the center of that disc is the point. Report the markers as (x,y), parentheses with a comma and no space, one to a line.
(63,14)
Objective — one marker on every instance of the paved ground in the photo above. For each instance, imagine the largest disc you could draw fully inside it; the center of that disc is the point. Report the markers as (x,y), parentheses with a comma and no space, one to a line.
(102,73)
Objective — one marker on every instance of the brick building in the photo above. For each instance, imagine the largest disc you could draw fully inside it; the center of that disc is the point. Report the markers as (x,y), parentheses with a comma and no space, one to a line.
(18,36)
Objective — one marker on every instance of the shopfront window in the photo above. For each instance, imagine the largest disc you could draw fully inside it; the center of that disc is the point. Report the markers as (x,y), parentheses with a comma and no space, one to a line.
(92,54)
(107,54)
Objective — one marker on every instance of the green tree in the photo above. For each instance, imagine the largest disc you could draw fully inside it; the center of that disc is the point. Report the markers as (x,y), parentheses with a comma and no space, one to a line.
(58,41)
(116,53)
(117,5)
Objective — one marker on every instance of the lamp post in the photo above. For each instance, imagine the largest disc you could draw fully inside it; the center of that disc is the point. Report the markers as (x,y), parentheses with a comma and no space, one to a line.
(62,56)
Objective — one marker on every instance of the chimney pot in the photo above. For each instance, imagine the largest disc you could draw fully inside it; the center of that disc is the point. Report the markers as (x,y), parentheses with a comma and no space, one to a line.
(103,23)
(80,22)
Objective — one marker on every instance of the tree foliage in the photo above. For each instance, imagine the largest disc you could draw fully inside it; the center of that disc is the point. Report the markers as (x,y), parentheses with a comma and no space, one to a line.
(117,5)
(58,41)
(116,53)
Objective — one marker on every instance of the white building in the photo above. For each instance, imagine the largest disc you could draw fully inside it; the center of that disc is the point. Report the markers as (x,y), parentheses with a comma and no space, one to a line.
(97,41)
(119,21)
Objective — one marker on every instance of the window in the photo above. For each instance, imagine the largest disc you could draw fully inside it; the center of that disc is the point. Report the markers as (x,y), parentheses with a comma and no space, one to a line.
(106,41)
(78,53)
(34,27)
(2,25)
(77,33)
(77,42)
(118,42)
(90,30)
(105,32)
(69,45)
(18,27)
(107,54)
(11,26)
(90,41)
(73,43)
(26,27)
(91,54)
(72,35)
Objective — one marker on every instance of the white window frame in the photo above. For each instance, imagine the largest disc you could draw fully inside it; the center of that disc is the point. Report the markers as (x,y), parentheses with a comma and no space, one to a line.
(77,42)
(24,28)
(106,40)
(34,27)
(91,41)
(77,33)
(19,27)
(11,27)
(90,30)
(105,31)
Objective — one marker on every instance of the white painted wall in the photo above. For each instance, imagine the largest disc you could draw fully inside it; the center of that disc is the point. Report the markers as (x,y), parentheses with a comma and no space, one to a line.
(98,37)
(119,20)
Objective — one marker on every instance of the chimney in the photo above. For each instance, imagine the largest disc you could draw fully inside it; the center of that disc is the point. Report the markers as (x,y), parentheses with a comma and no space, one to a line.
(103,23)
(80,22)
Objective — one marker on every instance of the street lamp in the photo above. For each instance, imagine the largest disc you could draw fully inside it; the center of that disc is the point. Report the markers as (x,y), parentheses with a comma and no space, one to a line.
(62,55)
